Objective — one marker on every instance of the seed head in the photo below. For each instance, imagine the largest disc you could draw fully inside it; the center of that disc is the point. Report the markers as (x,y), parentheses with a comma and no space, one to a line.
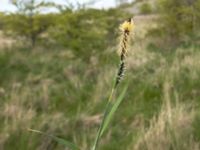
(127,26)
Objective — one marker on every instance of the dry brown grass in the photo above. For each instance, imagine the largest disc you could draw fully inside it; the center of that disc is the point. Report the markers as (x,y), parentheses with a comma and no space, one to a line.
(171,129)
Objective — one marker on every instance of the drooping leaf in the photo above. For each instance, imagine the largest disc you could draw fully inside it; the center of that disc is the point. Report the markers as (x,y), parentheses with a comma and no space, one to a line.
(61,141)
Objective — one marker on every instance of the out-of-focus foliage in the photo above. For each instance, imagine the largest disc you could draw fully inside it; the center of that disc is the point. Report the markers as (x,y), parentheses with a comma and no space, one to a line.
(87,30)
(19,25)
(1,20)
(82,30)
(179,21)
(145,8)
(31,7)
(27,22)
(61,86)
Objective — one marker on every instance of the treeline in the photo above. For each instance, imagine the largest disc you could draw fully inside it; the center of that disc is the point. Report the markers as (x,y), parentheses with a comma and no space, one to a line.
(178,23)
(82,30)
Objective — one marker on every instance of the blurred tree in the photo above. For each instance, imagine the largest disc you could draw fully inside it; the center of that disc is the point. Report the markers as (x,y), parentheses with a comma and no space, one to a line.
(27,21)
(75,5)
(31,7)
(87,30)
(145,8)
(1,20)
(179,20)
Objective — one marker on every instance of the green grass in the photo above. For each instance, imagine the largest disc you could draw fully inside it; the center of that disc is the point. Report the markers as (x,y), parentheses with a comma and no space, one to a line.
(51,91)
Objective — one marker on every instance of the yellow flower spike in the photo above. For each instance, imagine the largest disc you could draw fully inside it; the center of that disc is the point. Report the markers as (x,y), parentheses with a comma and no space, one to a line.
(127,26)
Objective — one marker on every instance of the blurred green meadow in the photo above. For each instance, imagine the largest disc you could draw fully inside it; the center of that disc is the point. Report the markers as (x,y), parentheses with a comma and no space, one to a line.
(56,73)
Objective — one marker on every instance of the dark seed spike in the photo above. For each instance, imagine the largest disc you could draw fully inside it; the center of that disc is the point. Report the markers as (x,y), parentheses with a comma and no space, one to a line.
(120,73)
(124,45)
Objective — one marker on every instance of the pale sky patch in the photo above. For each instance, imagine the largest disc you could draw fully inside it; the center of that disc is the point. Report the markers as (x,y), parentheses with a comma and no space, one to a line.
(6,6)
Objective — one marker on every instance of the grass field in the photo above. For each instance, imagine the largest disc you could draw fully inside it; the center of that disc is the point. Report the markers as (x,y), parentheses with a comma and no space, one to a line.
(54,91)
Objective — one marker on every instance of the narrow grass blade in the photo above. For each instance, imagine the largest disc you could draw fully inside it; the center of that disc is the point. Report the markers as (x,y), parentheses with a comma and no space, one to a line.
(57,139)
(101,125)
(112,110)
(109,112)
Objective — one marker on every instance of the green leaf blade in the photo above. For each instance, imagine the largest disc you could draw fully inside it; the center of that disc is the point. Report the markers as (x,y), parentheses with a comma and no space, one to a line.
(61,141)
(112,110)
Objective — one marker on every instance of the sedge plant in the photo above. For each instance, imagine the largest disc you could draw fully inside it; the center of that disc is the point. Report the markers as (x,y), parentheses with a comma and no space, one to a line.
(126,29)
